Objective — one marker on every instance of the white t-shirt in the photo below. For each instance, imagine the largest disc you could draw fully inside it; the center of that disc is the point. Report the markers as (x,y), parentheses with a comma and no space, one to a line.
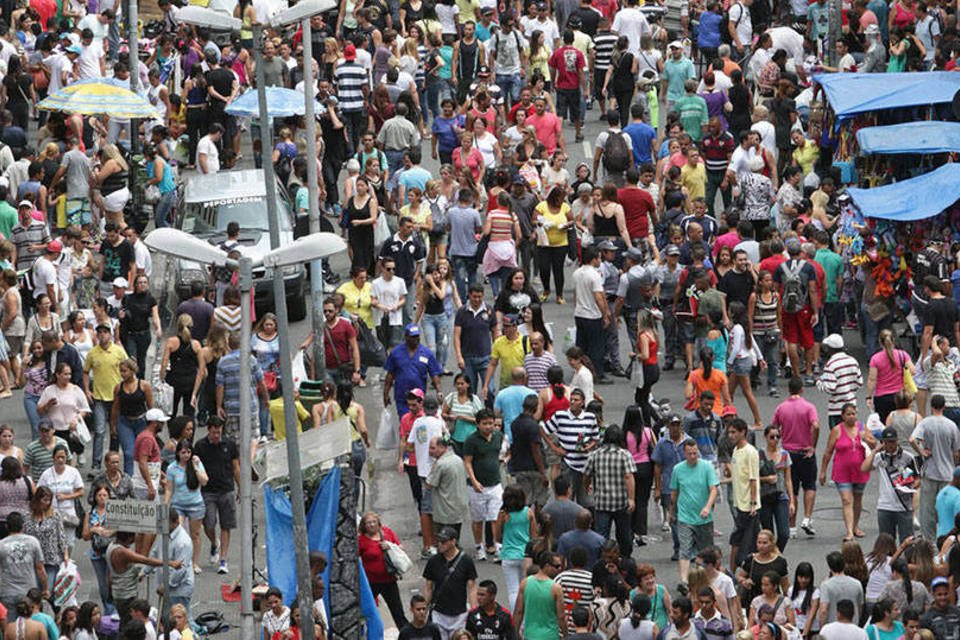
(66,482)
(58,63)
(740,160)
(208,147)
(724,584)
(423,430)
(92,21)
(721,82)
(447,15)
(740,17)
(142,257)
(631,22)
(583,380)
(44,273)
(389,294)
(587,281)
(88,64)
(768,135)
(842,631)
(789,40)
(846,63)
(551,33)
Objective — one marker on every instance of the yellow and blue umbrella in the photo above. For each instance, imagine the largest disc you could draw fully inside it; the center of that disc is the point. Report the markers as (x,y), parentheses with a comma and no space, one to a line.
(99,97)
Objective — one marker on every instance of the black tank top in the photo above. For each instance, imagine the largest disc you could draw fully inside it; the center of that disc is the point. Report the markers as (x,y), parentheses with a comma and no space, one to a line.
(134,404)
(602,226)
(467,65)
(183,366)
(434,305)
(210,382)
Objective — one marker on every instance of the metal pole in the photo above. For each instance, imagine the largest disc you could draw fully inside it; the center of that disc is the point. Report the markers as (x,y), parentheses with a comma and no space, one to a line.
(163,525)
(298,503)
(316,266)
(247,623)
(132,44)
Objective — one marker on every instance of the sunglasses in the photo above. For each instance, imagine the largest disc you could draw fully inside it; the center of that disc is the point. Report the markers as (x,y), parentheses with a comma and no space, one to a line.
(389,269)
(773,436)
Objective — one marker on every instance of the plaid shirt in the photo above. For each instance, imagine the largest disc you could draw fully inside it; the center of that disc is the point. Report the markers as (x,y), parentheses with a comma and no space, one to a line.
(607,467)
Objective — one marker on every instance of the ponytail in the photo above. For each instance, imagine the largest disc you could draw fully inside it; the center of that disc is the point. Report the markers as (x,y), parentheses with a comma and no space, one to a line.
(706,361)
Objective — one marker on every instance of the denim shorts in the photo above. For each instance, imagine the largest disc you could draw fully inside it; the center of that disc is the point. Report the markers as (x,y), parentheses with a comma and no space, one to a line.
(193,513)
(426,497)
(856,487)
(742,366)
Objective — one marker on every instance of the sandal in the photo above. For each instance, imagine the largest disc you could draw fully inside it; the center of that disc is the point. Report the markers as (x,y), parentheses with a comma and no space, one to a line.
(859,533)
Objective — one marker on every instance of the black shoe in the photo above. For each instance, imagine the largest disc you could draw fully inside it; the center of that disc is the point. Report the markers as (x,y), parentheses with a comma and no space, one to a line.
(668,367)
(619,373)
(675,557)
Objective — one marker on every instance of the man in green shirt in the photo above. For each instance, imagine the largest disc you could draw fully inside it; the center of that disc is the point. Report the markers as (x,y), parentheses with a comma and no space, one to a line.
(693,490)
(693,111)
(448,486)
(8,215)
(832,265)
(481,457)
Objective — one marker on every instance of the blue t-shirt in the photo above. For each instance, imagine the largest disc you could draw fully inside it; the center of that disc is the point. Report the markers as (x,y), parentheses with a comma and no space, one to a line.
(509,402)
(876,633)
(414,177)
(948,505)
(667,454)
(464,223)
(443,129)
(676,72)
(708,35)
(410,372)
(183,498)
(694,484)
(641,134)
(53,631)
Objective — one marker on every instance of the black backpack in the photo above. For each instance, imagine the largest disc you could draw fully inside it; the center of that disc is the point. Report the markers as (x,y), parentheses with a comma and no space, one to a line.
(725,36)
(617,154)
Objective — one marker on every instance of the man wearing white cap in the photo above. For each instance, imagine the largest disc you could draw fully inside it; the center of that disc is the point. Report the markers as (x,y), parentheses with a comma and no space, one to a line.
(841,377)
(45,275)
(677,69)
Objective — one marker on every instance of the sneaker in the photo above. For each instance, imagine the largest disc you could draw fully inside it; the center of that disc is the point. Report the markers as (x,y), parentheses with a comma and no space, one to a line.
(774,392)
(665,527)
(223,569)
(480,554)
(81,460)
(426,554)
(793,533)
(262,440)
(214,556)
(807,527)
(683,588)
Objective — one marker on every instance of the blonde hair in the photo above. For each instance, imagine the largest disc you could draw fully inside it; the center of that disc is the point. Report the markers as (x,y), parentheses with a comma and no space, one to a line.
(50,151)
(336,45)
(184,324)
(217,339)
(697,579)
(111,152)
(410,49)
(886,342)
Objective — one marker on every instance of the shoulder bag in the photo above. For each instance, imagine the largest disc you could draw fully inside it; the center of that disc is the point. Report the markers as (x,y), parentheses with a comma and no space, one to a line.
(439,585)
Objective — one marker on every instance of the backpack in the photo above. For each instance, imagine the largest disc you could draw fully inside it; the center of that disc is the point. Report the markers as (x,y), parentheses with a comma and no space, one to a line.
(725,36)
(794,291)
(438,216)
(499,36)
(617,154)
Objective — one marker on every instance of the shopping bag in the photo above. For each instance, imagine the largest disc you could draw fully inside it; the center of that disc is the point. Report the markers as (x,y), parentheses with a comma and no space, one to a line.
(82,432)
(66,585)
(636,373)
(381,231)
(299,370)
(387,436)
(372,351)
(396,560)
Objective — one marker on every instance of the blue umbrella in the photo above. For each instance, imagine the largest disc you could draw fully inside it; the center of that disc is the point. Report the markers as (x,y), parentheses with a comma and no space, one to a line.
(281,103)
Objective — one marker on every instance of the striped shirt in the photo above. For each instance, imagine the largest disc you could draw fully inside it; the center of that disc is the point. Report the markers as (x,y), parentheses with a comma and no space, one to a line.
(677,10)
(350,77)
(228,377)
(536,368)
(604,44)
(574,433)
(841,379)
(39,458)
(577,588)
(940,380)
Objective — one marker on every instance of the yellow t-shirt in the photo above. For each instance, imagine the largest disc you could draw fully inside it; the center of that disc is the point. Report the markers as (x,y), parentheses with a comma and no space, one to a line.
(806,156)
(695,180)
(556,237)
(357,301)
(276,417)
(510,355)
(419,217)
(105,364)
(468,9)
(746,467)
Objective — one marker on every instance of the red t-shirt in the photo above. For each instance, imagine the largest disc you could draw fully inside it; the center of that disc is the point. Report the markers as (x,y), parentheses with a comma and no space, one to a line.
(474,160)
(567,61)
(772,263)
(606,7)
(637,206)
(821,279)
(490,115)
(406,426)
(338,338)
(146,445)
(372,556)
(546,127)
(729,239)
(513,112)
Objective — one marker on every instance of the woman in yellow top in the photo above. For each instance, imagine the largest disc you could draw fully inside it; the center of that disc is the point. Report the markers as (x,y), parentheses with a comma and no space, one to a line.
(357,296)
(539,55)
(346,406)
(419,212)
(553,217)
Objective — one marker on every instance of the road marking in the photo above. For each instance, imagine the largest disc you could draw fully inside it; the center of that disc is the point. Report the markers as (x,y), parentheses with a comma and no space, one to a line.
(587,151)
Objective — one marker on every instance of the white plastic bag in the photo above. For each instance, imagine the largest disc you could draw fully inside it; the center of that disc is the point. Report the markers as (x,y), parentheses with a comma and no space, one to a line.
(163,397)
(396,559)
(66,585)
(387,436)
(381,231)
(83,433)
(299,370)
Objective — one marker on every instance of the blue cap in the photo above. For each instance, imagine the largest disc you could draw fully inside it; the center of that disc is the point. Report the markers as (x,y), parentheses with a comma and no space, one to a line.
(74,48)
(412,329)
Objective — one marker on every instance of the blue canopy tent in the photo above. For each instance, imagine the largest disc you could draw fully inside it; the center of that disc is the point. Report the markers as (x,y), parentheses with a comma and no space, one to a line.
(853,93)
(911,137)
(914,199)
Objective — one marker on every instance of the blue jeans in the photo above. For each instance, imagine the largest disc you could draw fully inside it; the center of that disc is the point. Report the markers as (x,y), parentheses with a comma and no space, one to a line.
(394,161)
(113,41)
(436,334)
(263,413)
(464,273)
(103,585)
(898,524)
(509,86)
(163,207)
(409,304)
(475,367)
(778,513)
(127,431)
(770,347)
(624,528)
(136,345)
(434,89)
(33,415)
(101,415)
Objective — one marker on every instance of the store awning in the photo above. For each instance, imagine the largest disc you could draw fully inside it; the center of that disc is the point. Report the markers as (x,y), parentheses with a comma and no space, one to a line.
(914,199)
(853,93)
(911,137)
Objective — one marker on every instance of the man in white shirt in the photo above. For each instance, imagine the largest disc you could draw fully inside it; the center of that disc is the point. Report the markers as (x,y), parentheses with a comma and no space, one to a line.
(542,22)
(388,294)
(591,313)
(844,628)
(92,61)
(208,154)
(631,22)
(98,24)
(45,279)
(740,26)
(140,252)
(765,129)
(740,159)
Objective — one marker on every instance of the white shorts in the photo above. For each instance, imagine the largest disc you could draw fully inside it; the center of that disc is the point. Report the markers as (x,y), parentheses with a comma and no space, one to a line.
(117,200)
(485,506)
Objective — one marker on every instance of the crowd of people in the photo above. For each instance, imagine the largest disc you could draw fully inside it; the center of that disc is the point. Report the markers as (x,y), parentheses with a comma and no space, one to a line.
(707,231)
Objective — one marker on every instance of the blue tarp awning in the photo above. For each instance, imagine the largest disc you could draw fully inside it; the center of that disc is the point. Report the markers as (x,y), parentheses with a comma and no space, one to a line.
(914,199)
(911,137)
(853,93)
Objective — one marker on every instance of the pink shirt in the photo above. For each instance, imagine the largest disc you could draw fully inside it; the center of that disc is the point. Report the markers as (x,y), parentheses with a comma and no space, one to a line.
(546,127)
(474,160)
(729,239)
(889,377)
(641,451)
(795,417)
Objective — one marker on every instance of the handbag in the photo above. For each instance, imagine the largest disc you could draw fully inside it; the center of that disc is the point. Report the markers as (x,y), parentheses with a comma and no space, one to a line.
(372,351)
(482,247)
(82,432)
(572,249)
(909,385)
(396,559)
(769,493)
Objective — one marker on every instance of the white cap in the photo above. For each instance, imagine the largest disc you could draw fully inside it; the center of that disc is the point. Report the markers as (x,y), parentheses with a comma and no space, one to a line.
(25,203)
(676,44)
(834,341)
(121,282)
(156,415)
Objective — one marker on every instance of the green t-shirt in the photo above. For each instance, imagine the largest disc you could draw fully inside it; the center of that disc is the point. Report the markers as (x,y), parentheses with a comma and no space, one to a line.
(8,218)
(876,633)
(693,115)
(693,484)
(486,457)
(832,265)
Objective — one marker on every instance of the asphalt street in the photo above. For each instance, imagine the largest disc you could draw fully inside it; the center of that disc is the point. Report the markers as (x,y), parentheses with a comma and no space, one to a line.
(389,493)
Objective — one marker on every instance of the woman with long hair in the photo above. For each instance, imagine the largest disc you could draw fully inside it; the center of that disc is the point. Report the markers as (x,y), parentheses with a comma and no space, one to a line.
(766,559)
(7,448)
(846,441)
(78,334)
(612,606)
(640,440)
(606,219)
(360,438)
(742,355)
(555,397)
(131,398)
(517,526)
(47,525)
(515,296)
(854,564)
(362,210)
(89,616)
(33,378)
(186,475)
(110,184)
(741,98)
(539,55)
(16,488)
(65,405)
(776,486)
(204,398)
(903,590)
(647,354)
(878,563)
(771,595)
(723,262)
(707,378)
(541,543)
(372,539)
(265,344)
(431,314)
(160,174)
(179,428)
(619,82)
(886,375)
(181,353)
(533,322)
(195,89)
(886,624)
(43,319)
(459,411)
(583,372)
(763,309)
(638,626)
(18,92)
(805,599)
(99,536)
(552,217)
(502,228)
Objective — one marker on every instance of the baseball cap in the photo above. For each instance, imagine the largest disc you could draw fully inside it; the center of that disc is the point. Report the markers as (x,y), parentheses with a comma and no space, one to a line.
(54,246)
(574,22)
(676,44)
(74,48)
(889,434)
(511,318)
(156,415)
(672,250)
(121,282)
(728,411)
(412,329)
(449,533)
(673,418)
(350,52)
(834,341)
(25,203)
(415,393)
(518,179)
(103,326)
(606,245)
(634,254)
